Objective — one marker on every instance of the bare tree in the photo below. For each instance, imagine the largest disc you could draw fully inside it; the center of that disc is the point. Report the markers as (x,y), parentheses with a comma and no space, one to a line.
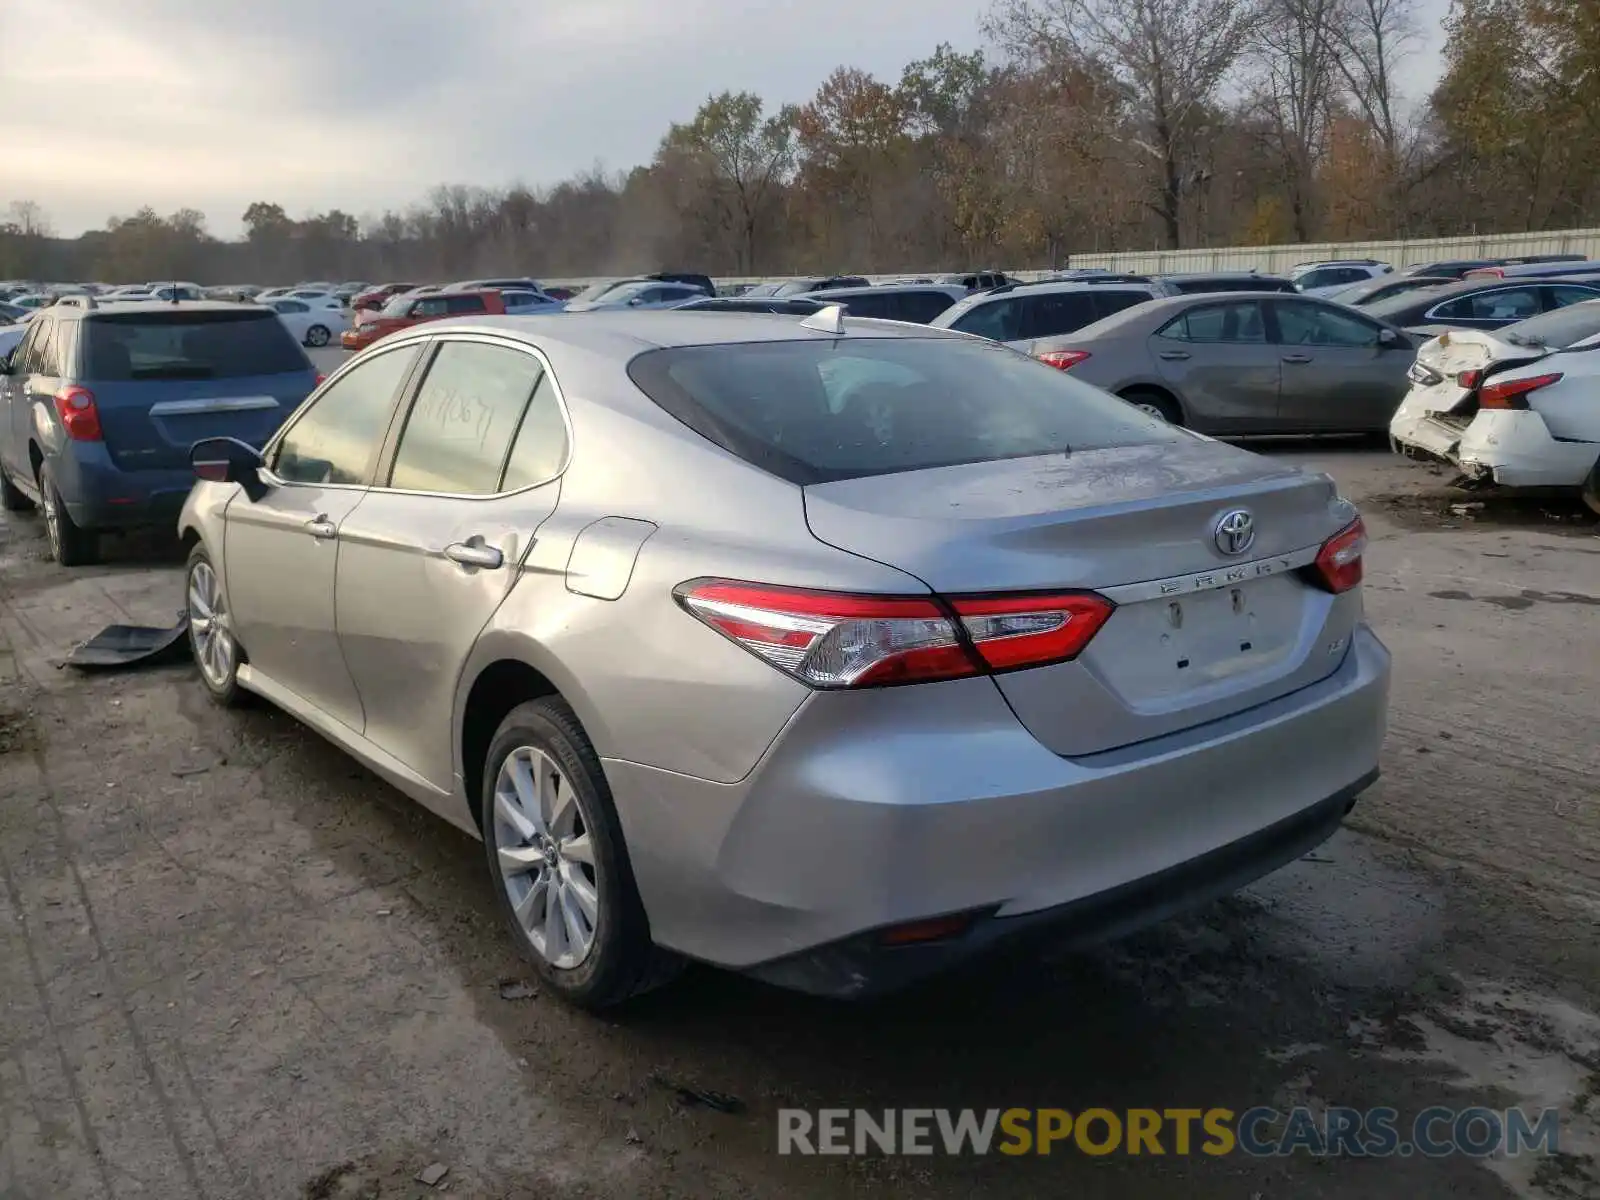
(27,218)
(1372,37)
(1294,74)
(1171,56)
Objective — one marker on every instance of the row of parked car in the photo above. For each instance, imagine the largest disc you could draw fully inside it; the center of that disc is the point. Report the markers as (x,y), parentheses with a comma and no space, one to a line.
(1242,353)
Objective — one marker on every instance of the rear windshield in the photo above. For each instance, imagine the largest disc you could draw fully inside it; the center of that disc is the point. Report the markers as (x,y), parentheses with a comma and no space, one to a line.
(816,411)
(1557,330)
(180,344)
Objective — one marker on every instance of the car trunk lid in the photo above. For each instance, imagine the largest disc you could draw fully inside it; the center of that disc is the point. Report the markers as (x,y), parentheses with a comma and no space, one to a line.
(1197,633)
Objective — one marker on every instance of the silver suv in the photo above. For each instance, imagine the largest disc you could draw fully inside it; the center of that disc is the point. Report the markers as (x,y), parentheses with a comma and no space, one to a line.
(1020,314)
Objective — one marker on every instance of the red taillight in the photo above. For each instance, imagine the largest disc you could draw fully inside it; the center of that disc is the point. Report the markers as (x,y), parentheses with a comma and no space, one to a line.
(79,417)
(1338,563)
(1469,379)
(320,379)
(831,640)
(1029,631)
(1513,393)
(1063,360)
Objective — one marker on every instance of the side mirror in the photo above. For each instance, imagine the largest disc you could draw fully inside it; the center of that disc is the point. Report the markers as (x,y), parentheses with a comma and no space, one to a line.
(1390,340)
(635,302)
(5,363)
(228,460)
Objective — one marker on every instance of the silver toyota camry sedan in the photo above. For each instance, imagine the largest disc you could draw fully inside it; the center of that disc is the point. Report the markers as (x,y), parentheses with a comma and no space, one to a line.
(835,651)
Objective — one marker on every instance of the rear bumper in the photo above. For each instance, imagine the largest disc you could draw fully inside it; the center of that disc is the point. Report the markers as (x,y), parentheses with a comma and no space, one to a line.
(1425,435)
(876,809)
(100,495)
(1516,449)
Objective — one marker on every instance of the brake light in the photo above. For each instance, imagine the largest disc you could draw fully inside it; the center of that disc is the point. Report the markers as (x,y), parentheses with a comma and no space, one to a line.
(1513,393)
(1469,379)
(1338,563)
(79,417)
(1029,631)
(319,380)
(834,640)
(1063,360)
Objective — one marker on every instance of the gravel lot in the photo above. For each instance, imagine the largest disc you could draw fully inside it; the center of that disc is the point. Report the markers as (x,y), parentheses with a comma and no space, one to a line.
(233,964)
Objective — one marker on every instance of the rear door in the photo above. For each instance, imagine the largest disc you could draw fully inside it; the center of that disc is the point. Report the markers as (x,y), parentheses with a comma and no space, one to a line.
(1219,359)
(282,550)
(164,378)
(1337,373)
(431,552)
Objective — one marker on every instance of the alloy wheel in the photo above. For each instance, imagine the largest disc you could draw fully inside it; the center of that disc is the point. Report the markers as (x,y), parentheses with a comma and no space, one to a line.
(208,626)
(546,857)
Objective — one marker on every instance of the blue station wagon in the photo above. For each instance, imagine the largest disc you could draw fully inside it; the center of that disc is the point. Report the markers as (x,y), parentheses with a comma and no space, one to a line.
(99,406)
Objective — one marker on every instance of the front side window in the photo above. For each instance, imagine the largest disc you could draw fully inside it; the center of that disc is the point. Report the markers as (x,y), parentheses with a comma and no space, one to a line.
(1240,322)
(431,306)
(457,305)
(1313,325)
(1563,294)
(465,417)
(336,439)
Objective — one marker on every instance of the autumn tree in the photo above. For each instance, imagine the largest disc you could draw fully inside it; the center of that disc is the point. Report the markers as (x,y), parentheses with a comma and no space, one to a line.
(1293,65)
(740,158)
(1172,58)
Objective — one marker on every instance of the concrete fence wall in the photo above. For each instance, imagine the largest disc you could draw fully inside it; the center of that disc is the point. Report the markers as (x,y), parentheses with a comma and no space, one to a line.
(1280,259)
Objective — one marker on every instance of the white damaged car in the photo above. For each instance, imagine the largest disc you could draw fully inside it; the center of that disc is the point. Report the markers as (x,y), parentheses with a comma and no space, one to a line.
(1518,407)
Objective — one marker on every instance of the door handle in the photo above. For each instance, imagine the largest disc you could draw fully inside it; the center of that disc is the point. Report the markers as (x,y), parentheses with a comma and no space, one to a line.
(1175,354)
(1297,358)
(321,528)
(473,553)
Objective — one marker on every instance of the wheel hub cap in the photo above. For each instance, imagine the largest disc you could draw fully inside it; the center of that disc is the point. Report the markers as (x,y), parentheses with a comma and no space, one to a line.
(209,632)
(546,858)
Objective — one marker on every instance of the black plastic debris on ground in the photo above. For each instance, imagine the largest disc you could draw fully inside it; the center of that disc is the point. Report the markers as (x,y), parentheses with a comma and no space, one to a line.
(123,647)
(693,1097)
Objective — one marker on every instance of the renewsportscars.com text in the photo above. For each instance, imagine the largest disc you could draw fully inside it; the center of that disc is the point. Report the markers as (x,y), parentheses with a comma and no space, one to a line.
(1258,1132)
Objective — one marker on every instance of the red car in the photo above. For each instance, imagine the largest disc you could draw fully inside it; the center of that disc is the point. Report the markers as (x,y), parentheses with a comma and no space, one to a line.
(403,311)
(375,298)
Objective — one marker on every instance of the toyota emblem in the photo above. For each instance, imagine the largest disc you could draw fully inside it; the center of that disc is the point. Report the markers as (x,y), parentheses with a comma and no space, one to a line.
(1236,531)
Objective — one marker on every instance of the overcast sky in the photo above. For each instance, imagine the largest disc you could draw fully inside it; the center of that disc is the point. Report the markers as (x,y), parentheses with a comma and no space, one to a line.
(366,104)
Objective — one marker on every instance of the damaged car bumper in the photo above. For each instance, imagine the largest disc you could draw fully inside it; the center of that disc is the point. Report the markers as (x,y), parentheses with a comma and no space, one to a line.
(1517,449)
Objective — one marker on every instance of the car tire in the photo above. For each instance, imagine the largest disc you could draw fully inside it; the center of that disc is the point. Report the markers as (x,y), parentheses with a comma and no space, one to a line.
(545,796)
(319,336)
(1591,489)
(211,638)
(13,498)
(71,545)
(1154,403)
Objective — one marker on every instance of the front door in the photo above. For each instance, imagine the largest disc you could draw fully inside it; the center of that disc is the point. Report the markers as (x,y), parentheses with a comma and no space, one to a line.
(426,560)
(15,406)
(1338,376)
(283,549)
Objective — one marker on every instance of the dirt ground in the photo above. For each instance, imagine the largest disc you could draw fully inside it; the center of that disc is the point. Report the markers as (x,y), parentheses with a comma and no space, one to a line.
(233,964)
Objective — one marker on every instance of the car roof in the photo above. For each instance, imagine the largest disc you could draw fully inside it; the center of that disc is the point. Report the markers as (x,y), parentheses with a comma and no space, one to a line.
(947,289)
(628,332)
(146,306)
(1187,276)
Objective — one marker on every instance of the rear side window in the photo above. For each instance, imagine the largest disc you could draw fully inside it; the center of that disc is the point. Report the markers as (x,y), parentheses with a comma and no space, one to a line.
(1239,322)
(467,411)
(1113,301)
(814,411)
(998,319)
(922,307)
(185,344)
(870,306)
(1056,313)
(464,304)
(1509,304)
